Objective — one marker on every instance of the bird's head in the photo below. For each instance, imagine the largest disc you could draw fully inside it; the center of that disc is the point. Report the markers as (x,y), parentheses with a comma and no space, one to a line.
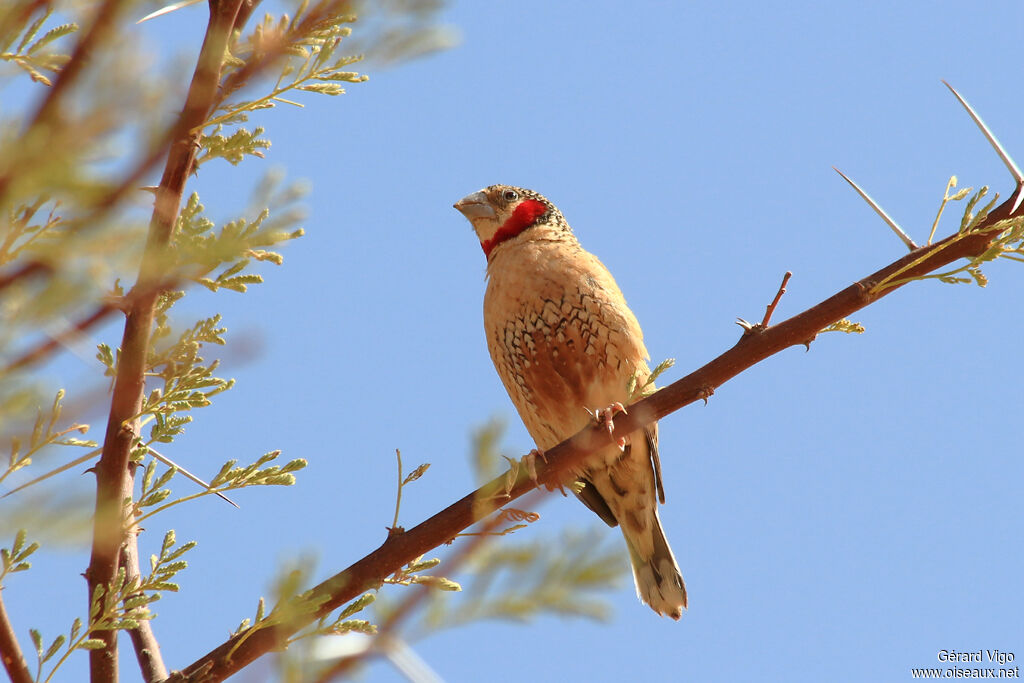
(500,213)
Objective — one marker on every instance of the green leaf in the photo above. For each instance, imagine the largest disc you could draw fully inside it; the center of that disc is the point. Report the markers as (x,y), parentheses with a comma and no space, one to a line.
(19,542)
(52,35)
(447,584)
(33,30)
(356,625)
(173,567)
(323,88)
(164,586)
(357,605)
(105,355)
(181,550)
(55,646)
(138,601)
(169,540)
(423,565)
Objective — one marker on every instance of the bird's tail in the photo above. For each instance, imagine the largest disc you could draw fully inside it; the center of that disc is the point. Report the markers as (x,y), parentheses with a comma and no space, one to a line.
(659,582)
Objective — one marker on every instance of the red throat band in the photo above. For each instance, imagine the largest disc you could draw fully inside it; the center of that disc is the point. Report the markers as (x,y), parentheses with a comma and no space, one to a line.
(525,215)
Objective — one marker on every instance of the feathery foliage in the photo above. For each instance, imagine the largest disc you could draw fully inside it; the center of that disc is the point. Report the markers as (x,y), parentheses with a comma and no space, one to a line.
(78,248)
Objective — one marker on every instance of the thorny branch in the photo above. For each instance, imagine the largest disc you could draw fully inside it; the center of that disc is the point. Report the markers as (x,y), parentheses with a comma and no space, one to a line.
(46,347)
(114,473)
(753,347)
(387,628)
(10,652)
(144,642)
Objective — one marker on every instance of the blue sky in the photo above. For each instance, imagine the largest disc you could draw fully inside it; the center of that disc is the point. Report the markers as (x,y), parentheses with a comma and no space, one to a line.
(840,514)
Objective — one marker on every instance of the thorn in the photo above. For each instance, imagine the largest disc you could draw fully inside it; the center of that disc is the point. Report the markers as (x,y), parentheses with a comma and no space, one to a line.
(167,10)
(878,209)
(747,327)
(1018,177)
(188,475)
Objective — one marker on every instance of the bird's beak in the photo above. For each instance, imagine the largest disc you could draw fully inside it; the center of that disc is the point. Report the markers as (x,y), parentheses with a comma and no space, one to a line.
(475,206)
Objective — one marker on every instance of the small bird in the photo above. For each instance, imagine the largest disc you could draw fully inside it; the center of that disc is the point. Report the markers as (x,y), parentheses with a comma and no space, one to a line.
(564,342)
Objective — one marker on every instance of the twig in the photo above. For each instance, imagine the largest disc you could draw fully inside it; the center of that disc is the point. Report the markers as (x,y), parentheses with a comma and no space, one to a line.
(400,549)
(399,614)
(144,642)
(114,475)
(10,651)
(775,302)
(752,328)
(43,349)
(23,272)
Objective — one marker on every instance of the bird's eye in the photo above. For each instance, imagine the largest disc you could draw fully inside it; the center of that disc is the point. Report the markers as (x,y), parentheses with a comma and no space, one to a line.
(510,195)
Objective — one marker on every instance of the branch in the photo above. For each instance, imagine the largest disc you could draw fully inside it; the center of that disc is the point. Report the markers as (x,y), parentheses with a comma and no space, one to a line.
(385,634)
(10,651)
(114,474)
(144,642)
(45,348)
(401,548)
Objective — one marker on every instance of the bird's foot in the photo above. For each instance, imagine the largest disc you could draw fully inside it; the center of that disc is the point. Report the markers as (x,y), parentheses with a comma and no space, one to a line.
(529,461)
(606,418)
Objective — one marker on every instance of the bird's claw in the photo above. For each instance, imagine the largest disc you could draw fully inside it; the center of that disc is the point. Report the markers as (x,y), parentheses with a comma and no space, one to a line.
(529,461)
(606,418)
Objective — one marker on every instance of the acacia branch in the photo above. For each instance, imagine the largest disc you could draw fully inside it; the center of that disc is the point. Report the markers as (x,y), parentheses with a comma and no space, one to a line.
(386,630)
(144,642)
(401,548)
(114,473)
(10,651)
(45,348)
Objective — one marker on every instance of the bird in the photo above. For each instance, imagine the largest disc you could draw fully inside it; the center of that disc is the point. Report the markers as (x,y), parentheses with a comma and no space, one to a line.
(565,343)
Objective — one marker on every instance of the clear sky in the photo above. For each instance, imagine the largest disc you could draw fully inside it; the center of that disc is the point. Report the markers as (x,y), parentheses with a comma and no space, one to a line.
(841,514)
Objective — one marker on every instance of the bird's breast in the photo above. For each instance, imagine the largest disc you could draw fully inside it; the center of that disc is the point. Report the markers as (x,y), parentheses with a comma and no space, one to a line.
(560,338)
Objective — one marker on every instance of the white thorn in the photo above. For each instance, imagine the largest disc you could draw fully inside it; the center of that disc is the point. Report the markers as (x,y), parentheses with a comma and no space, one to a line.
(188,475)
(167,10)
(1018,177)
(1018,200)
(885,217)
